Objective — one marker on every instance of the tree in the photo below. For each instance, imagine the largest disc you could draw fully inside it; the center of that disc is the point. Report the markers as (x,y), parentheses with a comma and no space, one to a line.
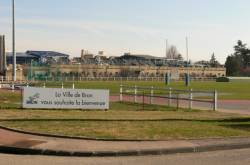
(243,53)
(179,57)
(172,53)
(233,66)
(213,61)
(238,63)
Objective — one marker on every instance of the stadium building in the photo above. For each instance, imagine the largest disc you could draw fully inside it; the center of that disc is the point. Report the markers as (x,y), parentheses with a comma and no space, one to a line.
(41,57)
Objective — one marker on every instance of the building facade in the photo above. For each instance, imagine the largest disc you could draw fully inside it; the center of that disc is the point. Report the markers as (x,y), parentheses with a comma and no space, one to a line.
(95,71)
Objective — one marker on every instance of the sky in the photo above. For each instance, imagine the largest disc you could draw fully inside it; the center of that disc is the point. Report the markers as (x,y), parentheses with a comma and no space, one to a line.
(136,26)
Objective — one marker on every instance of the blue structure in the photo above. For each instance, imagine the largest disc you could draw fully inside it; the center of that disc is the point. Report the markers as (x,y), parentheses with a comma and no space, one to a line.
(41,57)
(187,79)
(21,58)
(167,78)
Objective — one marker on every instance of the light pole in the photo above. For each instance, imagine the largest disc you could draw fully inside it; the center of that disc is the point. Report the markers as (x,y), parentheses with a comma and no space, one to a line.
(79,72)
(13,40)
(188,73)
(187,51)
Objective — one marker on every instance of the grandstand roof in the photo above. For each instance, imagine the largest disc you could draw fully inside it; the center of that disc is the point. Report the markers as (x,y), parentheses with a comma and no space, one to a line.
(149,57)
(19,54)
(46,54)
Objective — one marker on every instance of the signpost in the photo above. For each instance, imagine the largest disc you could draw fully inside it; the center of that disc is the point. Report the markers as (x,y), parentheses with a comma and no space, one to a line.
(54,98)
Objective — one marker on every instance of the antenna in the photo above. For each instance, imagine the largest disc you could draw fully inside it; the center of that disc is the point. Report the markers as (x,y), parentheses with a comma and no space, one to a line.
(188,72)
(166,48)
(187,49)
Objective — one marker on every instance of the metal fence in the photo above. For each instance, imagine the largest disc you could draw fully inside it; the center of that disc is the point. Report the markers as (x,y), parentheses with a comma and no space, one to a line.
(81,79)
(8,79)
(154,95)
(168,96)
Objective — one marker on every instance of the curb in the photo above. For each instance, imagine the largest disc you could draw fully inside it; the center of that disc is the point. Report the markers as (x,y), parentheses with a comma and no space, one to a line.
(198,149)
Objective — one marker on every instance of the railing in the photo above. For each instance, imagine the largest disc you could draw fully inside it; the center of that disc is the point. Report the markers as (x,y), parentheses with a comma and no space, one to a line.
(8,79)
(81,79)
(159,79)
(170,95)
(5,79)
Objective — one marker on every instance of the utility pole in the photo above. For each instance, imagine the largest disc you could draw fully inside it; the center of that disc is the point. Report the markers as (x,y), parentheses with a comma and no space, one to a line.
(166,48)
(187,51)
(13,40)
(188,73)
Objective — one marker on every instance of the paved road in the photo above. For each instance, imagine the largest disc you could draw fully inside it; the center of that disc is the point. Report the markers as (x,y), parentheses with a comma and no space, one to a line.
(233,157)
(229,106)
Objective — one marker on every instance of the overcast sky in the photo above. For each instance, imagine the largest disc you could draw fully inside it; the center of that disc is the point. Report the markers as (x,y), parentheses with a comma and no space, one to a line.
(136,26)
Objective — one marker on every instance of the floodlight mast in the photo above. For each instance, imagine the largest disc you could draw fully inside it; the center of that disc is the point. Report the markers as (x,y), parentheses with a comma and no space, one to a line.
(188,72)
(13,40)
(187,52)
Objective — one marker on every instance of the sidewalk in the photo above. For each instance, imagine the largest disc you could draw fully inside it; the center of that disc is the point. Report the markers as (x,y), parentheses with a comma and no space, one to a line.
(19,143)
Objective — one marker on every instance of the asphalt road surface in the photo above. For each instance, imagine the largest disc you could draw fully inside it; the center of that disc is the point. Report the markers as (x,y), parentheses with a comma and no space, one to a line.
(233,157)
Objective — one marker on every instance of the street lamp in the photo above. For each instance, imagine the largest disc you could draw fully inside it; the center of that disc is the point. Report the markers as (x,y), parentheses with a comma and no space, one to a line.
(13,40)
(188,73)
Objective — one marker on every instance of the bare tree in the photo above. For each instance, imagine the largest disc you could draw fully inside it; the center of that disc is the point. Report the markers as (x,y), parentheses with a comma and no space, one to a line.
(179,57)
(172,53)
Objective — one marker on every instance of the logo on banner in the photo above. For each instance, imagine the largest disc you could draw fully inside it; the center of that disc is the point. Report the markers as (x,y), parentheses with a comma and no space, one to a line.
(33,99)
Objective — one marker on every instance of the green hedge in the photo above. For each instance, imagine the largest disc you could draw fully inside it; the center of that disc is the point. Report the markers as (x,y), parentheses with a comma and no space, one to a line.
(222,79)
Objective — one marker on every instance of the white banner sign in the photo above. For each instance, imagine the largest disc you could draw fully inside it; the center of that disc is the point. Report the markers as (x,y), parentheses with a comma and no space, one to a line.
(52,98)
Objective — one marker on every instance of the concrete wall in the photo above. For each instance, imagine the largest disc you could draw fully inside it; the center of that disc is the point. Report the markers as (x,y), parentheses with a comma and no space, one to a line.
(19,73)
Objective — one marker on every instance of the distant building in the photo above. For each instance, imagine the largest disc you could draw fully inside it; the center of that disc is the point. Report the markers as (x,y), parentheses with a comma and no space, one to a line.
(3,65)
(129,59)
(50,57)
(41,57)
(21,58)
(202,63)
(101,53)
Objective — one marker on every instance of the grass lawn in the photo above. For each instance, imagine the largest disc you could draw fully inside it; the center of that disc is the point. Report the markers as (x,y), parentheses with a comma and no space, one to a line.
(234,90)
(128,121)
(10,99)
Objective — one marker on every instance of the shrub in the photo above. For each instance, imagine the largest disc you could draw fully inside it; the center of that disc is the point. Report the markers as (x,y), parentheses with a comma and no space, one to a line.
(222,79)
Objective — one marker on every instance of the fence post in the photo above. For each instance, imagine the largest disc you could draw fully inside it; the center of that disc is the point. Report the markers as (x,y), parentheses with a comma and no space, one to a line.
(170,97)
(215,100)
(143,100)
(62,85)
(73,86)
(121,93)
(44,85)
(151,95)
(190,98)
(13,87)
(178,103)
(135,96)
